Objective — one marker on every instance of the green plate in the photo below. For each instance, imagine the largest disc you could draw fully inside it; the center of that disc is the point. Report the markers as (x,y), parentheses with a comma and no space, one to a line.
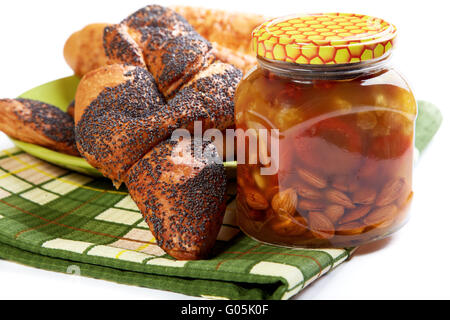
(60,93)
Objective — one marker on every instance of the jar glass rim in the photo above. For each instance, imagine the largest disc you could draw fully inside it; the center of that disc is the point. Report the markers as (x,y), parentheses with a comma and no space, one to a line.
(327,71)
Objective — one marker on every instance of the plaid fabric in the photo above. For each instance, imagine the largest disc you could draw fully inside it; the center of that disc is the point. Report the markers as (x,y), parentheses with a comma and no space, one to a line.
(58,220)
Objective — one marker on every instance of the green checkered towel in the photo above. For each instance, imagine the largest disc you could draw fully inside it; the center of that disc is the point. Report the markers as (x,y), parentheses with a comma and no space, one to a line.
(58,220)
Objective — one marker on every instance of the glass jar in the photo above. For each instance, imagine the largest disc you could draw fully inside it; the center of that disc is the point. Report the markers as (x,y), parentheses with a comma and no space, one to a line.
(336,122)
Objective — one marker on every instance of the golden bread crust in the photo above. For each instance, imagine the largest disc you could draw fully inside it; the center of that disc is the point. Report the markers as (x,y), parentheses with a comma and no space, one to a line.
(84,51)
(231,30)
(38,123)
(94,82)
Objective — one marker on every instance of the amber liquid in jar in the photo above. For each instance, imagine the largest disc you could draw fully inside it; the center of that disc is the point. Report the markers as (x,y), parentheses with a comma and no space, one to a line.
(346,142)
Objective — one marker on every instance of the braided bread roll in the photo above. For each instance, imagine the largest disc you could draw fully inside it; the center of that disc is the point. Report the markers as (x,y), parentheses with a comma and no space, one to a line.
(163,76)
(229,34)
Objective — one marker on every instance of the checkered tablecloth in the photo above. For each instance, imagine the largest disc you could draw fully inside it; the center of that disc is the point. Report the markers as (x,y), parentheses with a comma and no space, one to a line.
(63,221)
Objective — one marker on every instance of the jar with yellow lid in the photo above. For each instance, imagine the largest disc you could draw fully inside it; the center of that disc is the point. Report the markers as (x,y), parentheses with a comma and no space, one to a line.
(336,121)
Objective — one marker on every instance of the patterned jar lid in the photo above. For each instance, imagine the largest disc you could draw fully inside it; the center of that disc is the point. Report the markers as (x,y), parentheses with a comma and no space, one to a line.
(325,38)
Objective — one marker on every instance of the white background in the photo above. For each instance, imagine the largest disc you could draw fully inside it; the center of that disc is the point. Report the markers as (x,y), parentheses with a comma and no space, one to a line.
(412,264)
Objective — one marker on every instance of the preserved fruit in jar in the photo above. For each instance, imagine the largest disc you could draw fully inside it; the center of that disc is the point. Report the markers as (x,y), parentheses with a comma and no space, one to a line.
(345,133)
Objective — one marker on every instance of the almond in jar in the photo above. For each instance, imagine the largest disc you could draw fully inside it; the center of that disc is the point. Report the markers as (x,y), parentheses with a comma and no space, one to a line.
(346,121)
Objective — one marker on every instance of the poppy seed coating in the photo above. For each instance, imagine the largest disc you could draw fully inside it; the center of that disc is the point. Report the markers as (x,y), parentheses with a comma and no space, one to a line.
(39,123)
(51,121)
(169,80)
(182,210)
(162,40)
(121,125)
